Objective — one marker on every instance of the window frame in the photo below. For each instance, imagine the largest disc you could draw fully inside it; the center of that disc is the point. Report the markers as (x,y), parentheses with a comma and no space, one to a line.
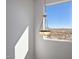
(48,29)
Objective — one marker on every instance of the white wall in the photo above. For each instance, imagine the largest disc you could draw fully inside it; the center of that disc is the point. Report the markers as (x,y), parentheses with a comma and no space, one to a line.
(20,14)
(45,49)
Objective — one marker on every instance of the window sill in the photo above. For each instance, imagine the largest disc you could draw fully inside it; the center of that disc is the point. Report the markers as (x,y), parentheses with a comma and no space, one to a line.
(57,40)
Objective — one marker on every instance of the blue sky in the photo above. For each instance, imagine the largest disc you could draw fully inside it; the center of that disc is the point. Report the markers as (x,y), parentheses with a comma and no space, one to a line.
(59,16)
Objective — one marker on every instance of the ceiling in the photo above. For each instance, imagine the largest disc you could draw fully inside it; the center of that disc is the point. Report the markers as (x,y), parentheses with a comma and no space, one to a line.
(51,2)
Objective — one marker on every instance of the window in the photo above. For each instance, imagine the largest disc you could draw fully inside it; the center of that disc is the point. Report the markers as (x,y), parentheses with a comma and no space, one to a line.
(59,21)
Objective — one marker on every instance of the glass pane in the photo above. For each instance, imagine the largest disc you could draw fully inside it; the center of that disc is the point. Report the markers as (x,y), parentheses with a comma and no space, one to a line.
(59,21)
(59,15)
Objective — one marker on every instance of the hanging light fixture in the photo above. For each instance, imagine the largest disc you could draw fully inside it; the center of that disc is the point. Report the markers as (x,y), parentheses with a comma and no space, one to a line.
(44,31)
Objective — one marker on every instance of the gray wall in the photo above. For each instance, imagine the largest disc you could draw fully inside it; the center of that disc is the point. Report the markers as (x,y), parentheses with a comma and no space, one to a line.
(20,13)
(45,49)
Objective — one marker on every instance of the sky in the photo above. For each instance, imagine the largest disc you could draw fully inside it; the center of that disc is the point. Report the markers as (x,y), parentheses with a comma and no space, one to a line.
(60,15)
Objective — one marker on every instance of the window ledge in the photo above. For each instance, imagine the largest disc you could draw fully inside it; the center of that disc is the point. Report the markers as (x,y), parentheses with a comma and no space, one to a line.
(63,40)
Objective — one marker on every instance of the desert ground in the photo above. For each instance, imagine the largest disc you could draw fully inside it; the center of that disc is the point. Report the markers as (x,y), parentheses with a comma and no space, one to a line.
(64,33)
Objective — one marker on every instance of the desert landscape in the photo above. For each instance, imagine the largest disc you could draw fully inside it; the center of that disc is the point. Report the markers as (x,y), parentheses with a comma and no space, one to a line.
(61,34)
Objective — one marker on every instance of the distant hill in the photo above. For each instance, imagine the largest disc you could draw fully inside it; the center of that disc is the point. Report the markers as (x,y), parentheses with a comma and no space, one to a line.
(60,28)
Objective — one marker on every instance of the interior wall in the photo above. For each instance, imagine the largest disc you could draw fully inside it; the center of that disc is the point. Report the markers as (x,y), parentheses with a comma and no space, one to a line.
(19,15)
(45,49)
